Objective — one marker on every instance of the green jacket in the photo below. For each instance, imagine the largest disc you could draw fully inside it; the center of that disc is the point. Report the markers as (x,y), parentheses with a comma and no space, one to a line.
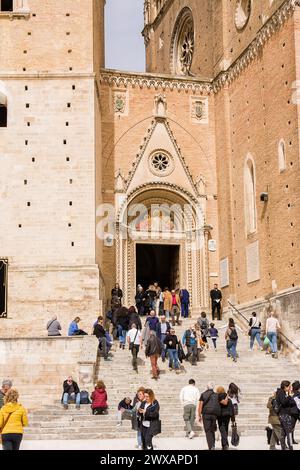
(273,417)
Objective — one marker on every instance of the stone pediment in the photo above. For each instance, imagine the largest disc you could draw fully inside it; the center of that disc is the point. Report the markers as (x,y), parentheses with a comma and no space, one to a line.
(160,161)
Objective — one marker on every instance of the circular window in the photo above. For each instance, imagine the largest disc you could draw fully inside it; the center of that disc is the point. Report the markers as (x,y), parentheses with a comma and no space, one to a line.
(242,13)
(183,43)
(161,164)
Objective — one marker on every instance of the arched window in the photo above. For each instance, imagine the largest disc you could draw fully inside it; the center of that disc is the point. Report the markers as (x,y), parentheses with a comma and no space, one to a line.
(183,43)
(250,200)
(3,110)
(281,156)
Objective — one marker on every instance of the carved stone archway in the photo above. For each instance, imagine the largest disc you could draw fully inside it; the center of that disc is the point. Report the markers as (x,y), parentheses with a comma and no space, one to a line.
(188,232)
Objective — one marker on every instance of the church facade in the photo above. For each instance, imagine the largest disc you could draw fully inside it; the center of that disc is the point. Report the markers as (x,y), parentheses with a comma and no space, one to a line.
(187,174)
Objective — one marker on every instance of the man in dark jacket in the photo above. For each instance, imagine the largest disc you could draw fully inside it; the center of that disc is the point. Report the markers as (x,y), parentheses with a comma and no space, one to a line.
(216,297)
(189,340)
(134,318)
(209,409)
(185,302)
(100,333)
(171,342)
(154,350)
(71,392)
(122,322)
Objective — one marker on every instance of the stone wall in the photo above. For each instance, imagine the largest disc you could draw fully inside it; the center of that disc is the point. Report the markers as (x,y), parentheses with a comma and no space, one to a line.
(38,366)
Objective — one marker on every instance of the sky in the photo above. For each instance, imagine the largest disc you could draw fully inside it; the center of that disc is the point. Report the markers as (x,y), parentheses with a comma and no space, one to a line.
(124,43)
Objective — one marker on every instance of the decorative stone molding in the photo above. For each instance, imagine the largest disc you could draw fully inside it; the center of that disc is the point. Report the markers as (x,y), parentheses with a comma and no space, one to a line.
(121,79)
(268,30)
(199,110)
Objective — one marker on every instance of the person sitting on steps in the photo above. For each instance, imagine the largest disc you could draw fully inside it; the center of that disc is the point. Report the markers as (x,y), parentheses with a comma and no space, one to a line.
(71,392)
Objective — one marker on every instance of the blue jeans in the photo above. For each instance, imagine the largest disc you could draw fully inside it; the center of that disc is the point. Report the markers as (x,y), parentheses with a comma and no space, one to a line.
(173,358)
(122,334)
(163,353)
(272,336)
(184,310)
(255,333)
(231,347)
(68,397)
(139,438)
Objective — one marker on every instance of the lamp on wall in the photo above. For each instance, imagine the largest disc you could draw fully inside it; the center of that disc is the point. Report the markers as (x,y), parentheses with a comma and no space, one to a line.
(264,197)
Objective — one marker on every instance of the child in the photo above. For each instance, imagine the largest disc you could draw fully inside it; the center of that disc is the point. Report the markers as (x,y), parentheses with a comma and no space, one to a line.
(214,334)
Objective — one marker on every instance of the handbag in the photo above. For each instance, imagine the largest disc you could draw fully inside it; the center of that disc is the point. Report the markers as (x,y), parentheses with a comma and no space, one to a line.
(235,438)
(131,344)
(267,342)
(156,427)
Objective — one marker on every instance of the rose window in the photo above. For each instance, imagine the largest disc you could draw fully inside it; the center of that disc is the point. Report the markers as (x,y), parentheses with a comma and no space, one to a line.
(161,164)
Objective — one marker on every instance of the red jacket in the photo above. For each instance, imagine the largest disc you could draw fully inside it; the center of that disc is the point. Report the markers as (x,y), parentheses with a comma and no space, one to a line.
(99,398)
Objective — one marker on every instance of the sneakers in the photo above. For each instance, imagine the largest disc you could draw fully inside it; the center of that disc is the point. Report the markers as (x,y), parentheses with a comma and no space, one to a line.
(118,425)
(66,407)
(191,435)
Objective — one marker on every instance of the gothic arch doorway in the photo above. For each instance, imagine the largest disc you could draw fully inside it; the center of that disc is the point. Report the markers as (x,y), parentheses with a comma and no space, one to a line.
(161,237)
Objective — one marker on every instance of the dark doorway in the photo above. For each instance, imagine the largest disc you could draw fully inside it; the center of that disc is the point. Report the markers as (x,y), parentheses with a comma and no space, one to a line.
(6,5)
(157,263)
(3,116)
(3,288)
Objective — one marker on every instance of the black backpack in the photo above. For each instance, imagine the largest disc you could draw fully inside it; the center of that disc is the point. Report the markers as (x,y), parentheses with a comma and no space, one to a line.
(212,405)
(233,335)
(276,406)
(84,398)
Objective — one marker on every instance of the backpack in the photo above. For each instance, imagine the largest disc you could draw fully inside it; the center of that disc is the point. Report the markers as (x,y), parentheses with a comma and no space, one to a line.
(212,405)
(276,407)
(84,398)
(233,334)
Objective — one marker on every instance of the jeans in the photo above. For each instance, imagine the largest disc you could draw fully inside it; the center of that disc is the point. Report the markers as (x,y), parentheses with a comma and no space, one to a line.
(167,314)
(134,352)
(164,351)
(223,423)
(185,310)
(272,336)
(139,438)
(214,340)
(146,438)
(231,347)
(192,354)
(255,334)
(72,396)
(11,441)
(122,334)
(173,358)
(189,416)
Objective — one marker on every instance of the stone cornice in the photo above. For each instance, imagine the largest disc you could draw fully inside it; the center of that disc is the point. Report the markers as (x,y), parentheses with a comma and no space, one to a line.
(157,82)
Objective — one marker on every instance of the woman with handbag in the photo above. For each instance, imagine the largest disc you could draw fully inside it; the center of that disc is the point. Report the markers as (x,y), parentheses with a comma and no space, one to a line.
(136,422)
(149,417)
(227,414)
(13,418)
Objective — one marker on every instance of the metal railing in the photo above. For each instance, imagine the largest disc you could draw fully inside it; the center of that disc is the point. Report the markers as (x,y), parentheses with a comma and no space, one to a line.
(279,332)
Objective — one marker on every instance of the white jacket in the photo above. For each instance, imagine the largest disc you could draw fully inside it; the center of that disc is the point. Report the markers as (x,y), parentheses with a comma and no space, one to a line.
(189,395)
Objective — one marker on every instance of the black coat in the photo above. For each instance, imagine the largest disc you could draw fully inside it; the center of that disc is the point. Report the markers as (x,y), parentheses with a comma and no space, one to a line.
(135,318)
(117,293)
(152,415)
(99,331)
(286,403)
(171,341)
(154,346)
(67,387)
(215,294)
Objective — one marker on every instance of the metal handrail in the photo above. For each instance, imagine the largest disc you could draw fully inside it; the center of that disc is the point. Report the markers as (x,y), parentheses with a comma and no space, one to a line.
(280,332)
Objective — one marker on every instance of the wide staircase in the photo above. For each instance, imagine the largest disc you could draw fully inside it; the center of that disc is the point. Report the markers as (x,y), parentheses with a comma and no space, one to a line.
(256,373)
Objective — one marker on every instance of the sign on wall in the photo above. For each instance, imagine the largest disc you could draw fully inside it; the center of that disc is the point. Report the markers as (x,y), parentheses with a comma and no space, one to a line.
(224,273)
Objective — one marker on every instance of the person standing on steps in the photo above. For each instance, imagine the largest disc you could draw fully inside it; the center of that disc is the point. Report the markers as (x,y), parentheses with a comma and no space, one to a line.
(208,411)
(171,342)
(227,414)
(231,338)
(204,327)
(136,422)
(13,418)
(176,306)
(133,317)
(255,331)
(234,395)
(296,397)
(189,398)
(153,351)
(286,404)
(149,416)
(122,325)
(185,302)
(274,421)
(116,295)
(189,340)
(167,296)
(165,328)
(154,323)
(100,334)
(272,328)
(134,337)
(213,334)
(216,298)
